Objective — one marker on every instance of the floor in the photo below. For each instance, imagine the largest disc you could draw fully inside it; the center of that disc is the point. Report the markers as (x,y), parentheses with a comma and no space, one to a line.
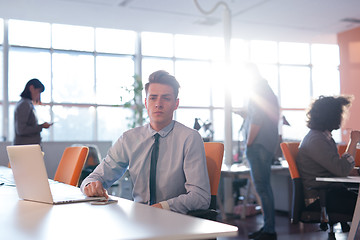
(285,230)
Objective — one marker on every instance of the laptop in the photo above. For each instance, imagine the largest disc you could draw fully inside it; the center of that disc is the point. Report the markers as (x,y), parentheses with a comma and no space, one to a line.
(32,182)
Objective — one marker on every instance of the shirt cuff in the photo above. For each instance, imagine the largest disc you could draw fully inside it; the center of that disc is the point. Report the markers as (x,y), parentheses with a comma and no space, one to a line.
(349,158)
(165,205)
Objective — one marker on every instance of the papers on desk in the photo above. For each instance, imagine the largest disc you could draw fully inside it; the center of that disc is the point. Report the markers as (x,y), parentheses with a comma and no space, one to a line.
(7,178)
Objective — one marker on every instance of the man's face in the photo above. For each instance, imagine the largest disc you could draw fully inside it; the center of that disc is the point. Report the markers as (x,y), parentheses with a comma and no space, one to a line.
(160,103)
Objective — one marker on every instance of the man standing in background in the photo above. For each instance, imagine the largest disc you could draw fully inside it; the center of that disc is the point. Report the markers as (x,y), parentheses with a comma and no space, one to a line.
(261,126)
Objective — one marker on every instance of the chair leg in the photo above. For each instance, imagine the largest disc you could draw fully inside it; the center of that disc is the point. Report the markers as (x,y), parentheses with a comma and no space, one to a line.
(345,227)
(324,226)
(331,234)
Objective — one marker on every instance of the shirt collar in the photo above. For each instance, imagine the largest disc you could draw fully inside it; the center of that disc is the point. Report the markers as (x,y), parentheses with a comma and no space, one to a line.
(163,132)
(328,135)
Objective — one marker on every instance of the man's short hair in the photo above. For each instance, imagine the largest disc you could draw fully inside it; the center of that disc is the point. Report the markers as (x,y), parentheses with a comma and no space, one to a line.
(163,77)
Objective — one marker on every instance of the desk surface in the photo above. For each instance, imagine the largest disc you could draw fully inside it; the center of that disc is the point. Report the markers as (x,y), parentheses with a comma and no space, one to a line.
(348,179)
(21,219)
(238,169)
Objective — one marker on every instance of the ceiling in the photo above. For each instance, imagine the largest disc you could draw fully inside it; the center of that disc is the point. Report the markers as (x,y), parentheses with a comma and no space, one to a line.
(280,20)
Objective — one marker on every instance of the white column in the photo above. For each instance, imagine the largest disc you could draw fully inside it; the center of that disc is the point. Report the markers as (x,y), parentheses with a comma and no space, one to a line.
(5,105)
(228,106)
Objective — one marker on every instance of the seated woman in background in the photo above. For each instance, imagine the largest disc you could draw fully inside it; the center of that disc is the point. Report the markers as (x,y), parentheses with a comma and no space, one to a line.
(318,156)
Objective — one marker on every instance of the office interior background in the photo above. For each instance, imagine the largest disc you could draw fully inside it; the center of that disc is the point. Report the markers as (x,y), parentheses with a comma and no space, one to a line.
(88,63)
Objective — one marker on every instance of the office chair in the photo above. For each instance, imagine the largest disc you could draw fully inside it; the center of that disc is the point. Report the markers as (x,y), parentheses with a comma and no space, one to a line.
(71,164)
(214,152)
(93,159)
(299,213)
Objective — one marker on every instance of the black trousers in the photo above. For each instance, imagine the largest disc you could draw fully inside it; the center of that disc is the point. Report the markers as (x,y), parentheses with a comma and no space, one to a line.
(340,200)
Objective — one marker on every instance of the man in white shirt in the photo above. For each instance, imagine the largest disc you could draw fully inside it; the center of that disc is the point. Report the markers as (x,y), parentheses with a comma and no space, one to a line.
(182,182)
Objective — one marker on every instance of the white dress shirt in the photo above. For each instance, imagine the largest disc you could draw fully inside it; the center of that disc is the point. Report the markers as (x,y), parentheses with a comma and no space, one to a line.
(182,182)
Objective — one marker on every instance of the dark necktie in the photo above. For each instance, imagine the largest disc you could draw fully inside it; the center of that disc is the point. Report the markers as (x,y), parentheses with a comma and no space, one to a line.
(154,158)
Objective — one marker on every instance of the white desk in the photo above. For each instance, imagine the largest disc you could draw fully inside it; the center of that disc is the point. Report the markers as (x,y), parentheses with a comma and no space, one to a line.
(25,220)
(356,218)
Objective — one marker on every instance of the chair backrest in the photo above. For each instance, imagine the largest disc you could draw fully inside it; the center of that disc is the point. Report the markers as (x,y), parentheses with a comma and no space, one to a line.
(341,150)
(290,151)
(214,152)
(71,164)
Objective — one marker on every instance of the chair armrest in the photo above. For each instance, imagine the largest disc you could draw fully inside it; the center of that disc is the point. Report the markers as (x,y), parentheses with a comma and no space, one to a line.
(209,214)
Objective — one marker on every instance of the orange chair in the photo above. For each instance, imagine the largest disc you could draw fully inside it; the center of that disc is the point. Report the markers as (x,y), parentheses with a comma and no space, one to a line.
(214,152)
(71,165)
(341,150)
(299,212)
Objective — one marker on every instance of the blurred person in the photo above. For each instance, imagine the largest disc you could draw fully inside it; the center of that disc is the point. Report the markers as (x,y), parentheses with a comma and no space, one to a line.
(181,180)
(318,156)
(27,129)
(262,140)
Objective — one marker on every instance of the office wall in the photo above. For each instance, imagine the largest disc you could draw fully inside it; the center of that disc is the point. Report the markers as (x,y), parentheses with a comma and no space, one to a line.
(349,44)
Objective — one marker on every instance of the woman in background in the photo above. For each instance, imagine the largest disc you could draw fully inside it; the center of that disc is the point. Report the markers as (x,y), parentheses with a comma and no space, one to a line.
(27,129)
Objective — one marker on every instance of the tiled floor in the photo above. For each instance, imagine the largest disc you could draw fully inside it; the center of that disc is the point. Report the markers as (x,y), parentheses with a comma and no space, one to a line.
(285,230)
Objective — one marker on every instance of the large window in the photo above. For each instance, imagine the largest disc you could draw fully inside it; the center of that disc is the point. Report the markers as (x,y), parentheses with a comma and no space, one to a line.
(73,78)
(87,73)
(25,64)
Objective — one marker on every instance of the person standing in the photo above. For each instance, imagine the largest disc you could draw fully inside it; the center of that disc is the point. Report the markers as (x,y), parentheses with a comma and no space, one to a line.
(179,180)
(261,126)
(27,129)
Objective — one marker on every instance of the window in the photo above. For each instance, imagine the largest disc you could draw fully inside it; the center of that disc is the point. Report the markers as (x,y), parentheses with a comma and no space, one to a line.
(325,54)
(1,75)
(115,41)
(326,81)
(112,122)
(73,78)
(32,34)
(1,31)
(150,65)
(294,53)
(44,115)
(297,129)
(73,123)
(113,76)
(72,37)
(263,52)
(325,59)
(194,78)
(25,64)
(295,87)
(195,47)
(157,44)
(87,71)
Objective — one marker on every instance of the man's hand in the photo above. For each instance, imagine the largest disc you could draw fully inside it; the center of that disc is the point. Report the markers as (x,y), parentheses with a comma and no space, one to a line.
(95,189)
(355,136)
(354,139)
(157,205)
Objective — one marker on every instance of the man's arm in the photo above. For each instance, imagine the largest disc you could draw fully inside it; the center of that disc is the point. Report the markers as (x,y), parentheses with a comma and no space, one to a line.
(253,132)
(106,173)
(354,139)
(197,183)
